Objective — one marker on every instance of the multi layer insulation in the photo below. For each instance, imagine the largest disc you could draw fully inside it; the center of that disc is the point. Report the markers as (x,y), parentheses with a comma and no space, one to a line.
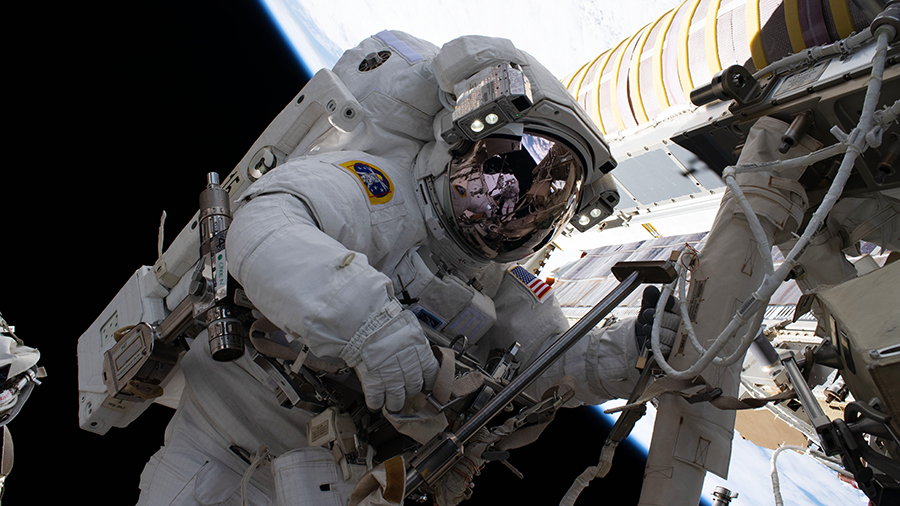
(657,67)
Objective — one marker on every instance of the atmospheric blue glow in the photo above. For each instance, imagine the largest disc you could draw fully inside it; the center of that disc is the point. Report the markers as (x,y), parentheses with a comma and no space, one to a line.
(804,481)
(284,35)
(314,49)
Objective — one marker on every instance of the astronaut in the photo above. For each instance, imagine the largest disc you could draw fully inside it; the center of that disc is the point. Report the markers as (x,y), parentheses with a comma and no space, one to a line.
(19,373)
(366,247)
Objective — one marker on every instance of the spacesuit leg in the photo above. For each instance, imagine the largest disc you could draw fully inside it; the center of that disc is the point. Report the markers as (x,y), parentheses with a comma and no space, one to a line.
(309,476)
(195,468)
(602,361)
(691,439)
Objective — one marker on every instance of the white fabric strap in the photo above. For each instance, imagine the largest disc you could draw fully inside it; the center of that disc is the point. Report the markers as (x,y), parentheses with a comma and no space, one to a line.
(6,460)
(598,471)
(443,385)
(259,339)
(262,456)
(300,360)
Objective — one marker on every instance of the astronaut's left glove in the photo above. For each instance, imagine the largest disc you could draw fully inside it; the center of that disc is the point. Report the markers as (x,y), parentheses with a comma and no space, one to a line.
(392,358)
(669,323)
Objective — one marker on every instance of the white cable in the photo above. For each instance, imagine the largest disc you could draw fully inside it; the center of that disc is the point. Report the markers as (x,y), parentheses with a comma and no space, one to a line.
(706,356)
(799,162)
(599,471)
(830,462)
(681,304)
(776,488)
(747,341)
(709,356)
(856,143)
(818,52)
(685,316)
(762,242)
(818,456)
(728,175)
(883,119)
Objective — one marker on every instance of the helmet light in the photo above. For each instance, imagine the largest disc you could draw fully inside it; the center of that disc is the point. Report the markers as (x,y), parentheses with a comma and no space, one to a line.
(493,97)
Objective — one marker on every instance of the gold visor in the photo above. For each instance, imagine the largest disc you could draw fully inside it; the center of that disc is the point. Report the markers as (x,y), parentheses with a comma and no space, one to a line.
(510,196)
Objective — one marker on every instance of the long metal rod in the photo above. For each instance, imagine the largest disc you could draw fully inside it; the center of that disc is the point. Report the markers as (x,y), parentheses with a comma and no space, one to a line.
(627,418)
(568,339)
(816,415)
(434,464)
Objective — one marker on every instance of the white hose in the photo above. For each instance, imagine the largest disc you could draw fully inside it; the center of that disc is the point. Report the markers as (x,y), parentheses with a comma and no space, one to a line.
(818,52)
(830,462)
(791,163)
(762,241)
(729,176)
(754,315)
(855,145)
(776,488)
(818,456)
(262,457)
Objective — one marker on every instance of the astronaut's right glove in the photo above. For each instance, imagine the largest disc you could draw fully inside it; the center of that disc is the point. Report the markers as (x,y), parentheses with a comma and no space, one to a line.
(644,324)
(392,358)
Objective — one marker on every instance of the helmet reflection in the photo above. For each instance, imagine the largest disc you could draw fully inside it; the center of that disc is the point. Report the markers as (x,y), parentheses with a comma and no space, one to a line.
(510,196)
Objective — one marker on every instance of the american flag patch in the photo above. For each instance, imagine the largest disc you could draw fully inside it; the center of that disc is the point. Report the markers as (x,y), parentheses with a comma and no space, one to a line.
(538,288)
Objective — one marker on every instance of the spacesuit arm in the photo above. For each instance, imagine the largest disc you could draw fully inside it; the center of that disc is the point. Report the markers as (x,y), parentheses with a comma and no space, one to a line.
(310,285)
(602,362)
(305,282)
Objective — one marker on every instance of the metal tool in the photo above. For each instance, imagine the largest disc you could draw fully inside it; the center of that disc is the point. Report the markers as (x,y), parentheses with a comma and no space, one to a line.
(440,454)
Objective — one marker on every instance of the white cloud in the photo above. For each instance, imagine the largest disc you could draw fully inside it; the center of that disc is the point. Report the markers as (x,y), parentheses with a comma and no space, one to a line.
(314,48)
(803,481)
(563,35)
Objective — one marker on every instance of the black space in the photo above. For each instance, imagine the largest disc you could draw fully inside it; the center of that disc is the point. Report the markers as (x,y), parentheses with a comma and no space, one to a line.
(117,114)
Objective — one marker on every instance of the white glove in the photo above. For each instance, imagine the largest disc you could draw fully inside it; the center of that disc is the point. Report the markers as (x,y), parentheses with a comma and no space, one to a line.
(392,358)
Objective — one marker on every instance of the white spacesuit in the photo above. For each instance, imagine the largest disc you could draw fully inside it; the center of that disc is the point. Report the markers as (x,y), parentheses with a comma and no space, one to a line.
(19,373)
(363,241)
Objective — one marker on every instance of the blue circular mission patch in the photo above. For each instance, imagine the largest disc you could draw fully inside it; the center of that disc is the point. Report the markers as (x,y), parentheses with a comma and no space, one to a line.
(378,185)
